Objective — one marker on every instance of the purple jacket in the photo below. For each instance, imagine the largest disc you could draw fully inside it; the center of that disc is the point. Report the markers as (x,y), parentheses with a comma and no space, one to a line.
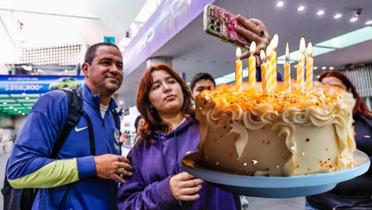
(153,165)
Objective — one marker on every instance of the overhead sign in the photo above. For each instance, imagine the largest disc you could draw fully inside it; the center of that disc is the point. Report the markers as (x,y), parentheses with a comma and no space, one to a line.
(170,17)
(109,39)
(15,84)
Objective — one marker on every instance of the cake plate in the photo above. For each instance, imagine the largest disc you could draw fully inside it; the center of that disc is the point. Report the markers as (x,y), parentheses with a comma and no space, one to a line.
(275,186)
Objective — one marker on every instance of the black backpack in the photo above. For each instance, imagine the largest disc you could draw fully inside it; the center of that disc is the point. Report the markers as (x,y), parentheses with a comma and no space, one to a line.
(22,199)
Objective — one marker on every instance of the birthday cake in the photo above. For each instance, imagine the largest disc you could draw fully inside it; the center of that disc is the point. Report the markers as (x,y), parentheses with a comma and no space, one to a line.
(281,133)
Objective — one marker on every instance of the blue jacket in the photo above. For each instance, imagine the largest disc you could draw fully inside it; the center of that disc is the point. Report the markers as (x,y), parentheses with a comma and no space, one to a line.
(154,164)
(70,181)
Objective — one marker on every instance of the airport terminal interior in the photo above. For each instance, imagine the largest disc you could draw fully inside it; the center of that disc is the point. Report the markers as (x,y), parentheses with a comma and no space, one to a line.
(43,43)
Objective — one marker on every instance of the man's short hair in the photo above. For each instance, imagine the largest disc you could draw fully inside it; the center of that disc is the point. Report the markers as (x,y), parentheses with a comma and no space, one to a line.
(91,51)
(201,76)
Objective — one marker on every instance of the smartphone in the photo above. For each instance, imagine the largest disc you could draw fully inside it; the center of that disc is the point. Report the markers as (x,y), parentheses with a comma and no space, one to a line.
(221,23)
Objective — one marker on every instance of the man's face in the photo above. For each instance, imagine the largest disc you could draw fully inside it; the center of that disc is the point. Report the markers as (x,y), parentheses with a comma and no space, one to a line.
(202,85)
(105,74)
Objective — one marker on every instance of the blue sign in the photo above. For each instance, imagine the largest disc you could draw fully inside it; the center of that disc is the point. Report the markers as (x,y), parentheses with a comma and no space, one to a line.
(109,39)
(16,84)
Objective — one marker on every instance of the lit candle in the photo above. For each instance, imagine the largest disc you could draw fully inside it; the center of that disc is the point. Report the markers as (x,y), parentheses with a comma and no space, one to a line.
(300,66)
(273,62)
(268,69)
(252,66)
(309,66)
(263,71)
(238,70)
(287,70)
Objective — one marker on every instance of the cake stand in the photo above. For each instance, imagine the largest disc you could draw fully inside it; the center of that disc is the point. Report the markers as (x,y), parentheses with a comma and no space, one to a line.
(275,186)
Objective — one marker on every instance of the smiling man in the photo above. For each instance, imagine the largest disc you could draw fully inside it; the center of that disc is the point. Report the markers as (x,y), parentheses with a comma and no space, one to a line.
(80,177)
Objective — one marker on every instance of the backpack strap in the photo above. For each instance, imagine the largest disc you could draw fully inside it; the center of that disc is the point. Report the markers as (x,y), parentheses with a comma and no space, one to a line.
(75,111)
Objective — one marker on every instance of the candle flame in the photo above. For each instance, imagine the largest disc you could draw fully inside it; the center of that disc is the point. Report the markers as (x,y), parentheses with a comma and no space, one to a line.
(252,48)
(309,50)
(268,50)
(262,55)
(286,52)
(275,41)
(302,45)
(238,52)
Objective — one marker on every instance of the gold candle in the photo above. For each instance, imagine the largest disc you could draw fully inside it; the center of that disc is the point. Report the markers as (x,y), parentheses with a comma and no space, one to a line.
(309,66)
(267,70)
(263,72)
(273,62)
(300,66)
(287,70)
(252,66)
(238,70)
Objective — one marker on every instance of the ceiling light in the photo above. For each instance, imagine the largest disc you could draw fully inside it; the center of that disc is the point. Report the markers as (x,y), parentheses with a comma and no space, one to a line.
(331,68)
(23,113)
(4,103)
(315,67)
(324,67)
(353,19)
(337,16)
(121,102)
(320,12)
(300,8)
(280,4)
(369,22)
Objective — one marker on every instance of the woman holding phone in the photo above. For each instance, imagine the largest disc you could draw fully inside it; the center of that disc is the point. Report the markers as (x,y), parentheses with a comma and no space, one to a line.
(169,132)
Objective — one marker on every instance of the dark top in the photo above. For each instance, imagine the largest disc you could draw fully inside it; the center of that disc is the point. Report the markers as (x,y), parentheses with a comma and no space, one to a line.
(359,188)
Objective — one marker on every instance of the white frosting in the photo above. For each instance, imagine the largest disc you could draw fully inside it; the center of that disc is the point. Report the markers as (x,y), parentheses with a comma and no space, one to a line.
(307,140)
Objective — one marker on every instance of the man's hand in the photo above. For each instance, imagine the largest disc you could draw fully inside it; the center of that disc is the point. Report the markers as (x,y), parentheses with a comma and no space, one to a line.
(110,166)
(253,30)
(185,187)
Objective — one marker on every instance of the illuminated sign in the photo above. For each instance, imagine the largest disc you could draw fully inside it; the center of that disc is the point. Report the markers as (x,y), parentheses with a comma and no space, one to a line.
(13,84)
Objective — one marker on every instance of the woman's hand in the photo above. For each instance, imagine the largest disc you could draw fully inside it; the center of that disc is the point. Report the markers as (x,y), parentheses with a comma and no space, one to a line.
(253,30)
(185,187)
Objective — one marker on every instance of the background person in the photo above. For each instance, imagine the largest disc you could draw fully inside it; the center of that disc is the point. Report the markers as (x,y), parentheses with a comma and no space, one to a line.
(355,193)
(200,82)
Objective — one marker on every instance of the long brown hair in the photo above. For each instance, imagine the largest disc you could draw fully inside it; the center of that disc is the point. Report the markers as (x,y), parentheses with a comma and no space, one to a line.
(153,121)
(360,106)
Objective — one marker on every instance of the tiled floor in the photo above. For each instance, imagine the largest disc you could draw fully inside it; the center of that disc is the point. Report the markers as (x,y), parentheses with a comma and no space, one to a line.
(254,203)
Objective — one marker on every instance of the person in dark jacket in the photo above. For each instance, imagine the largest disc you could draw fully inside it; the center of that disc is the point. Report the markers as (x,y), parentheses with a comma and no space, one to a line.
(170,131)
(355,193)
